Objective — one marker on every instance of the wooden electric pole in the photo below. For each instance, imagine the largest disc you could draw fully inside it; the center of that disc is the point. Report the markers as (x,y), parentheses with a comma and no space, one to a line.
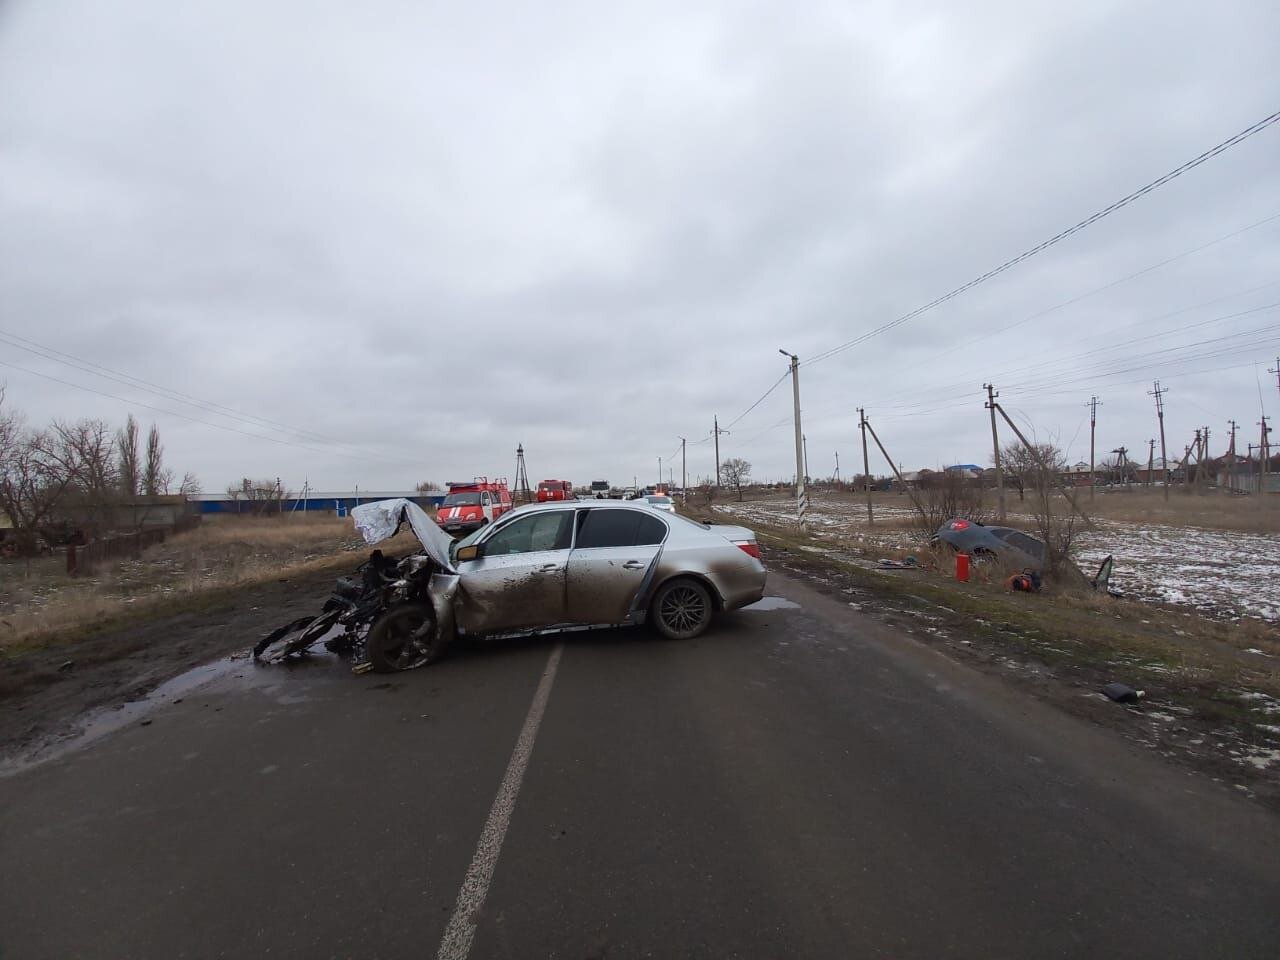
(995,450)
(1151,461)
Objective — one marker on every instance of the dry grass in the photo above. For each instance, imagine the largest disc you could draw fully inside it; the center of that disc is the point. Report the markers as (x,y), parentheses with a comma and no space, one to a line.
(1214,510)
(39,602)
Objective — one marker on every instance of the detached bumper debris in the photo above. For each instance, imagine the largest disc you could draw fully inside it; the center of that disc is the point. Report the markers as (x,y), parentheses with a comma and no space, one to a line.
(1123,693)
(908,563)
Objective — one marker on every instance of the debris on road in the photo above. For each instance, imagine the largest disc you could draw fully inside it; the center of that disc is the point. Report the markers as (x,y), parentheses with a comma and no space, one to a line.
(1123,693)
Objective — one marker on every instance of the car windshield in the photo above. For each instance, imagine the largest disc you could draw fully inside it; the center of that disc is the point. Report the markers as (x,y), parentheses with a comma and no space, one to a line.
(661,500)
(461,500)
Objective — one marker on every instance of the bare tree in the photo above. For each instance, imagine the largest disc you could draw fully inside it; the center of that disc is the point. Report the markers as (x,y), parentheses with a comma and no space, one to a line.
(85,453)
(1022,464)
(130,466)
(190,485)
(258,497)
(1056,520)
(734,472)
(32,483)
(153,479)
(428,486)
(946,495)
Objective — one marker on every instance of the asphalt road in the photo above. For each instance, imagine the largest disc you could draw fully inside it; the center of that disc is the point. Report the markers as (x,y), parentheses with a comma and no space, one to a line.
(801,782)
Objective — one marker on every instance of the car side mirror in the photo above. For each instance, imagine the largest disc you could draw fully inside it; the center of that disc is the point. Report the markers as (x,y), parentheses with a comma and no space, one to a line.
(472,552)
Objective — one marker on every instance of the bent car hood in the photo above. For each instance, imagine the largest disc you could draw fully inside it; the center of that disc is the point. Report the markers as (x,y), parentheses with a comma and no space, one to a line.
(378,520)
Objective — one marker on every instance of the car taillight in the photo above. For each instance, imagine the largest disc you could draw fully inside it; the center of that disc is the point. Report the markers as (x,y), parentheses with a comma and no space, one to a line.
(749,547)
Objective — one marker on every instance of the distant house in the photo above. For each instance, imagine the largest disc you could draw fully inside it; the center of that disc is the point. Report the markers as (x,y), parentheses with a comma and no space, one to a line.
(1078,475)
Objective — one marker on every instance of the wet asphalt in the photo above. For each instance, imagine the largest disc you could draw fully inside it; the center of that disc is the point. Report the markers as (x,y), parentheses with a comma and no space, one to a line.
(800,782)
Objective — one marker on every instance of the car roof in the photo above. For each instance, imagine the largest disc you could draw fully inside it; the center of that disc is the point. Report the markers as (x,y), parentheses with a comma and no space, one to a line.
(582,505)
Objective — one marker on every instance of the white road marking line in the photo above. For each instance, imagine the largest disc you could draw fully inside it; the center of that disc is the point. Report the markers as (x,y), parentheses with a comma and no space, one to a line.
(475,887)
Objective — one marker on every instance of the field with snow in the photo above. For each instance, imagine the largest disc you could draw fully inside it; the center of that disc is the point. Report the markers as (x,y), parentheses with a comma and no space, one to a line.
(1222,573)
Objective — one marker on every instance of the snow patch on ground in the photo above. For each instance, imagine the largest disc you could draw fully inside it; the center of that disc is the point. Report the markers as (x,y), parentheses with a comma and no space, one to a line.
(1219,572)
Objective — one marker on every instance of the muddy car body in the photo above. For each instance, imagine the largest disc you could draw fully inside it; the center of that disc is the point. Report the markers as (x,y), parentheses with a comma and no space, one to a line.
(578,565)
(1012,548)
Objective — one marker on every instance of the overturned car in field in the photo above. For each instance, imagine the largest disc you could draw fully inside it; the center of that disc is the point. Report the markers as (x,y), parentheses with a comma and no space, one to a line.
(1013,550)
(544,568)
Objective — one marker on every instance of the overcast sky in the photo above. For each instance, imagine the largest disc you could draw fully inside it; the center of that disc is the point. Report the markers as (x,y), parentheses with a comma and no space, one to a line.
(412,235)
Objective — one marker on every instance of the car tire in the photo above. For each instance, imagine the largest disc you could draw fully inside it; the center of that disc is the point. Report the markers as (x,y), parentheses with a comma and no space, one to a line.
(681,609)
(386,646)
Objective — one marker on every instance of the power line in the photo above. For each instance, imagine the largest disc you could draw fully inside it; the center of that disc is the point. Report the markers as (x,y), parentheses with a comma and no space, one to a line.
(138,383)
(1046,367)
(1111,285)
(763,397)
(1056,238)
(174,413)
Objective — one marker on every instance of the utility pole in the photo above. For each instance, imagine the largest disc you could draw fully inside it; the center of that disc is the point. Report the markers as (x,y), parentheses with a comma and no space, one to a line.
(1151,460)
(718,431)
(1035,454)
(866,467)
(897,471)
(995,449)
(659,471)
(1264,448)
(1231,458)
(1158,392)
(1204,456)
(802,502)
(1123,454)
(1093,429)
(837,468)
(1195,445)
(684,475)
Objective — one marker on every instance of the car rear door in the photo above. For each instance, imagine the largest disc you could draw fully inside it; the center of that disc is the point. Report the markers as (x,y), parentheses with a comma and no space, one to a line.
(519,580)
(613,552)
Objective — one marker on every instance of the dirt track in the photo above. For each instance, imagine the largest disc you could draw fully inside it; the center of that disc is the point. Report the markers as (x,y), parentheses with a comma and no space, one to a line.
(40,697)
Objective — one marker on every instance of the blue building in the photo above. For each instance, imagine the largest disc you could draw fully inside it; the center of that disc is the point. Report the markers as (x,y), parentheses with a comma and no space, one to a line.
(334,504)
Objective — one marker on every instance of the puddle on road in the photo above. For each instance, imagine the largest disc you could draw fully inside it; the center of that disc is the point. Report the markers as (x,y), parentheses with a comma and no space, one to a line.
(240,671)
(773,603)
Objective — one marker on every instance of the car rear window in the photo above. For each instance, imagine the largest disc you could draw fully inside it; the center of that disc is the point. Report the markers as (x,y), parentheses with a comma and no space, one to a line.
(1028,545)
(618,528)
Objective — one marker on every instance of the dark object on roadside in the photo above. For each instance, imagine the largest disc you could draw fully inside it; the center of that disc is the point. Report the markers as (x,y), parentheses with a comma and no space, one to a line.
(1028,581)
(1102,579)
(1123,693)
(1013,548)
(67,665)
(908,563)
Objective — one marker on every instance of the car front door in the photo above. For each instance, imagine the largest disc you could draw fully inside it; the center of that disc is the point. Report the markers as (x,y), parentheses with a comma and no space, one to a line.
(518,581)
(613,552)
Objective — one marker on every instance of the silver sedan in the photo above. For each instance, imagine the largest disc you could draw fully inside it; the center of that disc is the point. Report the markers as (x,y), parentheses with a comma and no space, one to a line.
(603,563)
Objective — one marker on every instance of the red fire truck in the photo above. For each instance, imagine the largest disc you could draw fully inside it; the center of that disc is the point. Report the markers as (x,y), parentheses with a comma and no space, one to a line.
(473,504)
(554,490)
